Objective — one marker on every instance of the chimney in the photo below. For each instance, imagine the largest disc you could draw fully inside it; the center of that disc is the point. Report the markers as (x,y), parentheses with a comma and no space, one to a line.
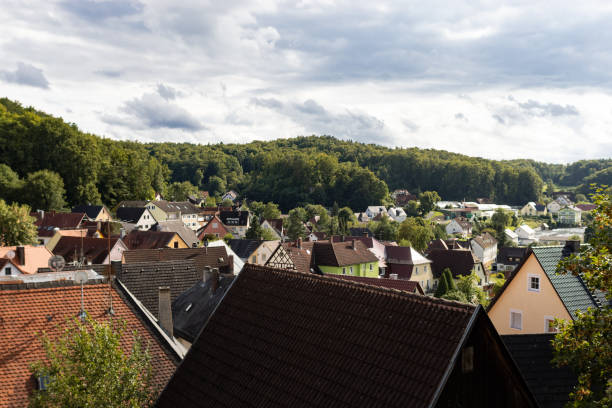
(206,273)
(116,267)
(341,238)
(353,247)
(393,276)
(165,310)
(299,243)
(365,234)
(215,282)
(21,255)
(571,247)
(41,214)
(230,267)
(122,233)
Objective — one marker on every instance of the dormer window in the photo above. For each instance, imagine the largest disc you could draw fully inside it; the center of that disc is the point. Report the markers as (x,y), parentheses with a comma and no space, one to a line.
(533,283)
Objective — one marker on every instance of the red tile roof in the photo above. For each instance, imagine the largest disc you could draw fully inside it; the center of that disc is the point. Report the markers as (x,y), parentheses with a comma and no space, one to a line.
(94,249)
(25,313)
(398,284)
(149,239)
(341,253)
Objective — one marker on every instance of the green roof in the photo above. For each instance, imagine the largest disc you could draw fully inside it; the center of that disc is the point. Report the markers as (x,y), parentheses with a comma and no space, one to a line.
(571,289)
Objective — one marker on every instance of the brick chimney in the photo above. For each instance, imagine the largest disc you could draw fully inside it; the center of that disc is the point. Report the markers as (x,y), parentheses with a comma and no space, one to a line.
(353,247)
(21,255)
(214,284)
(571,247)
(299,243)
(165,310)
(230,267)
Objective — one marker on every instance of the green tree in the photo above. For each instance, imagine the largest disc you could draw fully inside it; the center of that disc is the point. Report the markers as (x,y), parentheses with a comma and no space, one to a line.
(345,217)
(450,281)
(270,211)
(585,344)
(16,225)
(442,286)
(227,203)
(335,209)
(180,191)
(468,286)
(87,367)
(254,231)
(427,201)
(216,186)
(412,209)
(227,237)
(44,190)
(295,223)
(10,184)
(385,229)
(416,230)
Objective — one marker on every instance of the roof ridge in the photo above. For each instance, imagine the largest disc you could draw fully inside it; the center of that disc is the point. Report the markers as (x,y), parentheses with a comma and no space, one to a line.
(374,288)
(20,286)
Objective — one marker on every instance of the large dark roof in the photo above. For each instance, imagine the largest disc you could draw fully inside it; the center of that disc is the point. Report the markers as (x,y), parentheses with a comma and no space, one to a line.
(148,239)
(144,279)
(234,218)
(361,232)
(94,250)
(130,214)
(244,247)
(398,284)
(549,384)
(192,309)
(92,211)
(285,339)
(509,255)
(459,261)
(214,257)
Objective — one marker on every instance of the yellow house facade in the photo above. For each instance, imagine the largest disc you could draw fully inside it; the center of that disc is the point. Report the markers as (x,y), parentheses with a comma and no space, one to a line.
(536,295)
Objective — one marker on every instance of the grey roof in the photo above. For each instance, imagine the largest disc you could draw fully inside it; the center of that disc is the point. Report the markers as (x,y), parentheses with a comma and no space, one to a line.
(178,226)
(130,214)
(244,247)
(192,308)
(184,207)
(533,353)
(92,211)
(144,279)
(571,289)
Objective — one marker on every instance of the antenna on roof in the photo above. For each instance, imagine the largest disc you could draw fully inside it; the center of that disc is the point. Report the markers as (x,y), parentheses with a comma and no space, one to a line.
(81,277)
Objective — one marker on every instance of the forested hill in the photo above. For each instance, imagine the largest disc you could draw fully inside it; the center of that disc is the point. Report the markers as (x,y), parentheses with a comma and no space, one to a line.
(289,172)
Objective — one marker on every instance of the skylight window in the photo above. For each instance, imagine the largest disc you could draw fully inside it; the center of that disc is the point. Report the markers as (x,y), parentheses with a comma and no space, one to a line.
(188,307)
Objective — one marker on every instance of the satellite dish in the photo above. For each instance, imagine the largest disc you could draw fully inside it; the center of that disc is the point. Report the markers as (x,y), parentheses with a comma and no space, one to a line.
(81,277)
(57,263)
(10,254)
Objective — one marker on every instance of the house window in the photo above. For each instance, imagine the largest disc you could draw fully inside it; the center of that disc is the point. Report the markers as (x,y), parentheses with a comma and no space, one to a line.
(215,225)
(176,244)
(416,270)
(351,269)
(533,283)
(516,319)
(344,271)
(7,270)
(371,267)
(254,259)
(549,325)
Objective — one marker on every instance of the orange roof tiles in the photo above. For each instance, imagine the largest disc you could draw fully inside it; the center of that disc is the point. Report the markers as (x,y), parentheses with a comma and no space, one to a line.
(25,313)
(35,257)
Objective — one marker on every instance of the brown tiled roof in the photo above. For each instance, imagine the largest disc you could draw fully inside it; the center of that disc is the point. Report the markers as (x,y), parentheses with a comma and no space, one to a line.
(184,207)
(276,223)
(287,339)
(95,250)
(459,261)
(144,279)
(485,240)
(301,257)
(586,207)
(148,239)
(25,313)
(341,253)
(398,284)
(215,257)
(50,220)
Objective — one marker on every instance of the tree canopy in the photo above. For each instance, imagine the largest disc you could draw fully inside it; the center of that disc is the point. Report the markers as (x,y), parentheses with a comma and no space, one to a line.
(16,225)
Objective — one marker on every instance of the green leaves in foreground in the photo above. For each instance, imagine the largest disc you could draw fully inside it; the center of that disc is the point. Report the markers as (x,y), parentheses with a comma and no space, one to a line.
(87,367)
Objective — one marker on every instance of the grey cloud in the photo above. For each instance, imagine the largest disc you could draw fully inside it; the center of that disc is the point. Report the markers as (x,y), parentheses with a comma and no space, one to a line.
(536,108)
(100,10)
(26,74)
(310,107)
(156,112)
(410,125)
(235,119)
(109,73)
(167,92)
(461,116)
(269,103)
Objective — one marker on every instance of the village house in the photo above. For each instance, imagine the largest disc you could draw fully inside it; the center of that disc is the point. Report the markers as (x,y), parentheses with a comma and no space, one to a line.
(213,228)
(237,222)
(27,310)
(459,226)
(230,195)
(137,217)
(23,259)
(317,236)
(461,261)
(397,214)
(374,210)
(511,235)
(47,222)
(529,209)
(508,259)
(569,216)
(208,256)
(284,337)
(407,263)
(345,258)
(94,212)
(484,247)
(294,256)
(526,235)
(402,197)
(187,234)
(154,240)
(253,250)
(535,294)
(275,227)
(553,207)
(86,250)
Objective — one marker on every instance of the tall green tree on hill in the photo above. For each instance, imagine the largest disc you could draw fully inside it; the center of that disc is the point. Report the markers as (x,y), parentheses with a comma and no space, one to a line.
(427,201)
(16,225)
(44,190)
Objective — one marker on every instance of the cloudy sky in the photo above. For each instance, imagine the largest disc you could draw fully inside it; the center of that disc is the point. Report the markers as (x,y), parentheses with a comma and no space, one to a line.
(498,79)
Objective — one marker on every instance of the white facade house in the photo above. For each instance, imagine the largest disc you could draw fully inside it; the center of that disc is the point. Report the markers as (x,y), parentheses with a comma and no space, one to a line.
(511,235)
(459,226)
(373,210)
(485,248)
(529,209)
(526,234)
(397,214)
(553,207)
(570,216)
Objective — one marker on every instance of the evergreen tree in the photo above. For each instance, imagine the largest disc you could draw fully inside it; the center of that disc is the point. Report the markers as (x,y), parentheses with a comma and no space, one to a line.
(254,231)
(450,282)
(442,286)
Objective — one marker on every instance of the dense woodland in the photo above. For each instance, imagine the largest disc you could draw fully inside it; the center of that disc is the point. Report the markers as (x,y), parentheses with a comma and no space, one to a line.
(290,172)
